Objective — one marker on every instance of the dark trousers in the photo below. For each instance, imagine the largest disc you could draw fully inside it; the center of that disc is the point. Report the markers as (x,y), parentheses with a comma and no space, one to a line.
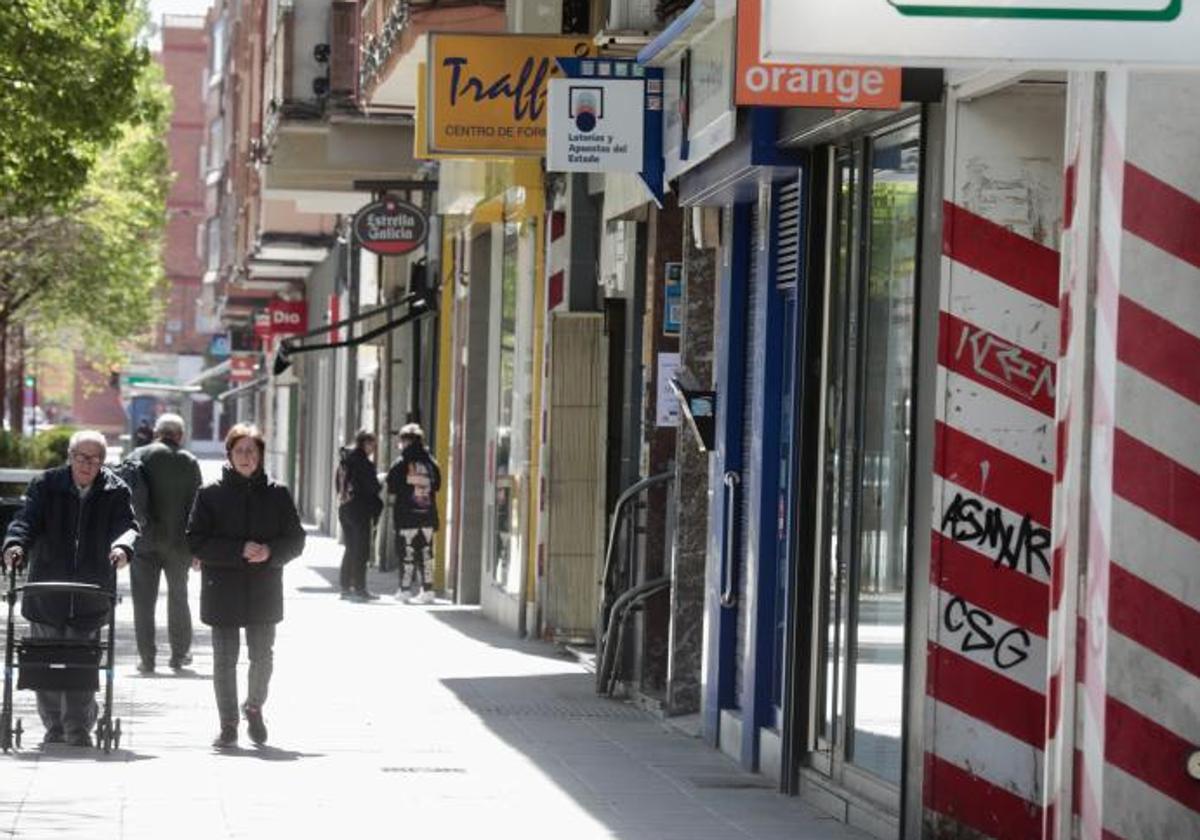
(65,712)
(144,574)
(356,533)
(226,642)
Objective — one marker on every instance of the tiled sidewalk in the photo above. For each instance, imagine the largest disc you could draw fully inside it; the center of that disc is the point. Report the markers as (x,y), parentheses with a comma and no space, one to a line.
(417,721)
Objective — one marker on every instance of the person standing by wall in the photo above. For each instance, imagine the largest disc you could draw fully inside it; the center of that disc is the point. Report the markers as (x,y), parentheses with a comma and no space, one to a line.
(164,480)
(243,529)
(359,506)
(77,525)
(414,479)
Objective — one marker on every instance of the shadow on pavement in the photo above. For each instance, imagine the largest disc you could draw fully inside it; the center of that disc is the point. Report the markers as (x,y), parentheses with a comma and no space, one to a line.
(61,753)
(627,769)
(317,590)
(265,753)
(471,622)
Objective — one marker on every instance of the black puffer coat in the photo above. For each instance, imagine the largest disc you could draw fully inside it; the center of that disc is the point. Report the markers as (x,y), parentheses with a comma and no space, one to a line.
(69,540)
(229,513)
(362,486)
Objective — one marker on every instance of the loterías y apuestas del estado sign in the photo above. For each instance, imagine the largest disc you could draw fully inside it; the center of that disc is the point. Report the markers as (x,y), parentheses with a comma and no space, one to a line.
(391,226)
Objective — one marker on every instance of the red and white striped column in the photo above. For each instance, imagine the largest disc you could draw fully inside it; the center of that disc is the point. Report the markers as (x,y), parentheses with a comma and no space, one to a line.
(1073,422)
(994,467)
(1137,715)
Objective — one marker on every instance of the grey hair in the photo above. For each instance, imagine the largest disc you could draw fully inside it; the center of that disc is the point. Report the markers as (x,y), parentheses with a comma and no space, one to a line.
(170,425)
(86,436)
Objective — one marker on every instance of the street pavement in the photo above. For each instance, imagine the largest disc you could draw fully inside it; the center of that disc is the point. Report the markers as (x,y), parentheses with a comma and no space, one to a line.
(401,720)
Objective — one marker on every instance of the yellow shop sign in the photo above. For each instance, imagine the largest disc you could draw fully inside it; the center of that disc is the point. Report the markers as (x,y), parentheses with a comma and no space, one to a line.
(487,92)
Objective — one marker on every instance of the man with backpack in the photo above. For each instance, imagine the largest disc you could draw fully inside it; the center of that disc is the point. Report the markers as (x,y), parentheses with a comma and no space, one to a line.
(163,478)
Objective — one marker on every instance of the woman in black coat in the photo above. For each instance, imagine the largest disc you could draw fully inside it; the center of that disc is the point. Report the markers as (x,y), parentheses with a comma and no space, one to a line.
(243,529)
(358,506)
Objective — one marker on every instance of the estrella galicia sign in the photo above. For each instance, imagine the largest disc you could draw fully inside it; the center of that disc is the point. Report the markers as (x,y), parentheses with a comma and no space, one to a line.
(391,226)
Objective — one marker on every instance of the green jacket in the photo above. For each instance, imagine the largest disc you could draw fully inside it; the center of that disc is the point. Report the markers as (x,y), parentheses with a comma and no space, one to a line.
(164,489)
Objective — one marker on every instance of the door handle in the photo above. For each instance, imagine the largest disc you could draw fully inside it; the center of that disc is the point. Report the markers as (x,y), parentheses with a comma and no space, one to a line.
(733,483)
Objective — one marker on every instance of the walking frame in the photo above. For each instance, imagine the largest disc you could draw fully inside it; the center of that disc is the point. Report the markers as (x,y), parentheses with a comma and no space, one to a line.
(58,664)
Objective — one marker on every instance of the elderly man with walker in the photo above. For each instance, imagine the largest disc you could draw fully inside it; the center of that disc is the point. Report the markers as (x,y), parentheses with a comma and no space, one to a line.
(77,526)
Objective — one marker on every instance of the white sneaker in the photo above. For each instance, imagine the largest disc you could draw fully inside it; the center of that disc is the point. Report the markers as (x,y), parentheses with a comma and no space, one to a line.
(402,596)
(426,597)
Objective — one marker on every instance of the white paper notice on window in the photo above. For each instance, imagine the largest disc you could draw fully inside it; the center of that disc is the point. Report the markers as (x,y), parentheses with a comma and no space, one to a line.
(667,404)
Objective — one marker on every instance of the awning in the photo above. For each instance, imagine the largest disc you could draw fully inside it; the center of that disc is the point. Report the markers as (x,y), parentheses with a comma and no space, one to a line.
(421,305)
(219,369)
(679,34)
(249,386)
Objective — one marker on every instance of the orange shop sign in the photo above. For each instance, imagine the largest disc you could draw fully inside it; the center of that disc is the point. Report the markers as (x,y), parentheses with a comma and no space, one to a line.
(805,85)
(486,93)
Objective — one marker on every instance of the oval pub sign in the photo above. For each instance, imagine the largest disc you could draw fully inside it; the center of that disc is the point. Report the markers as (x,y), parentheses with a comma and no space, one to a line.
(390,226)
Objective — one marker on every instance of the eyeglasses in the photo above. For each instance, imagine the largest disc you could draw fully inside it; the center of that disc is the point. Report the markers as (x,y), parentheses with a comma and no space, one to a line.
(85,460)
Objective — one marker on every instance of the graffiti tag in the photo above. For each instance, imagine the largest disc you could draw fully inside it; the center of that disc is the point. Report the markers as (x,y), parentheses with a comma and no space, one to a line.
(967,520)
(1006,364)
(1009,649)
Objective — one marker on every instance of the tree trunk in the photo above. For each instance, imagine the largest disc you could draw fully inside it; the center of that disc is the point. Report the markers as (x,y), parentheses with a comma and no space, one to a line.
(3,361)
(16,394)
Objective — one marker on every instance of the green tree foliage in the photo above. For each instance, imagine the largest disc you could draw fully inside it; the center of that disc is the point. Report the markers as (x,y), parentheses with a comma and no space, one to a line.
(68,84)
(84,174)
(102,278)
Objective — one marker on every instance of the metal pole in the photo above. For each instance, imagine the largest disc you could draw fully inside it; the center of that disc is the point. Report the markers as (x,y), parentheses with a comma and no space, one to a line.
(414,397)
(353,403)
(34,390)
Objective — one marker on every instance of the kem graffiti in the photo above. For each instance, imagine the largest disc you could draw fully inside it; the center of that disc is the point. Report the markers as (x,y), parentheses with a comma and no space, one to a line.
(1009,649)
(527,91)
(967,520)
(1006,365)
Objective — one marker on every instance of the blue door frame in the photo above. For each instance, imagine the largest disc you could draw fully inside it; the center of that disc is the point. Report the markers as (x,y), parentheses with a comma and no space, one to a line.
(762,410)
(762,495)
(721,621)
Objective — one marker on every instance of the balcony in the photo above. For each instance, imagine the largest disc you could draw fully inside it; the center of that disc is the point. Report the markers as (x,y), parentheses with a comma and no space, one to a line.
(288,245)
(393,44)
(316,140)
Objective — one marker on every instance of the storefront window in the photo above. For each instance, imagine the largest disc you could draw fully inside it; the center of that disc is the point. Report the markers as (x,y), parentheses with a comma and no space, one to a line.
(886,441)
(515,359)
(867,440)
(505,524)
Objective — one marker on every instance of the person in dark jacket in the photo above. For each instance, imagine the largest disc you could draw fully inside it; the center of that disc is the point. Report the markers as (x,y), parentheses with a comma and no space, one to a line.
(77,525)
(144,433)
(359,506)
(167,478)
(414,479)
(243,529)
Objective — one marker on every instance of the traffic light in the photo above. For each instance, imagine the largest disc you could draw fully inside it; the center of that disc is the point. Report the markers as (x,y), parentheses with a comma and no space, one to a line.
(30,380)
